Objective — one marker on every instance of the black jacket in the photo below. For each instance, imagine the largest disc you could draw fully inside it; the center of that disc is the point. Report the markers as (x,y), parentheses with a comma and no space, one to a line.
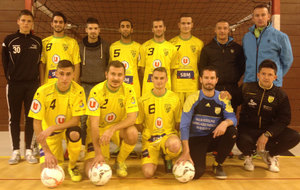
(228,59)
(21,57)
(267,110)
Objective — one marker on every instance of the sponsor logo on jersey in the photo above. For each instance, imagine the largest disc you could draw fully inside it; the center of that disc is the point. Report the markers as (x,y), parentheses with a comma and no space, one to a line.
(93,104)
(110,117)
(185,75)
(168,108)
(126,64)
(159,123)
(81,104)
(35,106)
(60,119)
(55,58)
(132,100)
(271,99)
(33,46)
(217,110)
(185,60)
(157,63)
(149,79)
(251,103)
(207,105)
(128,79)
(52,74)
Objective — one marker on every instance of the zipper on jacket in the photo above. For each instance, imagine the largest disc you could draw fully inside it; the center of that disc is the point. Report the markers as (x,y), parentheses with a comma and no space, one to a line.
(259,108)
(257,48)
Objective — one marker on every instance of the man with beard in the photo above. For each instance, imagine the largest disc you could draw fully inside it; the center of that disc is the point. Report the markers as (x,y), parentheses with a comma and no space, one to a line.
(112,109)
(127,51)
(207,124)
(58,47)
(156,52)
(94,53)
(55,48)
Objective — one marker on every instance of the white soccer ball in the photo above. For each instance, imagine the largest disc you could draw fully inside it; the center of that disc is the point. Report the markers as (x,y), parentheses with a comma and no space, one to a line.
(184,172)
(52,177)
(100,175)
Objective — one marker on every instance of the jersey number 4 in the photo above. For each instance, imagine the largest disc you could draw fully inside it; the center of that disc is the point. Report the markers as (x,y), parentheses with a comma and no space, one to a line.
(52,105)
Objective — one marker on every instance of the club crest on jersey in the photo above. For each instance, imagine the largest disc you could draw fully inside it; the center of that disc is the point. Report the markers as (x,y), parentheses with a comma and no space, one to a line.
(217,110)
(185,60)
(55,58)
(231,50)
(271,99)
(157,63)
(159,123)
(81,104)
(65,46)
(60,119)
(35,106)
(93,104)
(168,108)
(166,52)
(133,53)
(193,48)
(110,117)
(126,64)
(120,100)
(132,100)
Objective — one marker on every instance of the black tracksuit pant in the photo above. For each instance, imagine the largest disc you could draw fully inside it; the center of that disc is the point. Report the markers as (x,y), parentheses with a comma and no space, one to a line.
(18,94)
(200,145)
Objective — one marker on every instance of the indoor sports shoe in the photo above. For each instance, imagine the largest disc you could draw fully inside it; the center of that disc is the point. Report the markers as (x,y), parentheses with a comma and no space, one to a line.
(168,166)
(274,164)
(264,155)
(15,157)
(218,171)
(30,157)
(121,169)
(75,174)
(248,165)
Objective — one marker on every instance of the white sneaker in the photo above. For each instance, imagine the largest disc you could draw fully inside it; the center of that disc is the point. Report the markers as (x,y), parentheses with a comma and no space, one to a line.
(265,156)
(274,164)
(15,157)
(29,157)
(248,165)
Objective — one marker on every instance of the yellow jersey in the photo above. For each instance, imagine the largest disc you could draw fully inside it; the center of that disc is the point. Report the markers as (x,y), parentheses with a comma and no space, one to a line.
(54,107)
(112,107)
(153,55)
(186,77)
(159,114)
(56,49)
(129,55)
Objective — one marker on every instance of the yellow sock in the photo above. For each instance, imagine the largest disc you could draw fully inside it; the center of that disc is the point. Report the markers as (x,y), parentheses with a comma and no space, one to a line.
(74,152)
(125,150)
(216,163)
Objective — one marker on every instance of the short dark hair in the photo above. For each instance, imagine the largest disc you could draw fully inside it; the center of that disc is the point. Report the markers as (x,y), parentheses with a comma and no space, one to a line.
(92,20)
(158,19)
(208,68)
(268,63)
(222,20)
(128,20)
(25,12)
(57,13)
(65,64)
(116,64)
(161,69)
(185,15)
(262,6)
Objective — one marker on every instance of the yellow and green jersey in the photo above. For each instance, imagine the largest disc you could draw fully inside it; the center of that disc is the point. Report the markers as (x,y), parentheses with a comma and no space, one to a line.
(185,78)
(53,107)
(159,114)
(129,55)
(112,107)
(56,49)
(153,55)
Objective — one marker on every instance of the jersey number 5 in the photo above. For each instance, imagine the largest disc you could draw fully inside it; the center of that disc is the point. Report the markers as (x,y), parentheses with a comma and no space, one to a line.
(117,52)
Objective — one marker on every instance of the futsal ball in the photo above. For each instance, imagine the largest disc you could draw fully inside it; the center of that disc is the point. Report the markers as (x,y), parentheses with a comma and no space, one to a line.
(52,177)
(184,172)
(100,174)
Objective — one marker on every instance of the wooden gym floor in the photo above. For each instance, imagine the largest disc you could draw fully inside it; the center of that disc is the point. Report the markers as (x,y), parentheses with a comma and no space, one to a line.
(27,177)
